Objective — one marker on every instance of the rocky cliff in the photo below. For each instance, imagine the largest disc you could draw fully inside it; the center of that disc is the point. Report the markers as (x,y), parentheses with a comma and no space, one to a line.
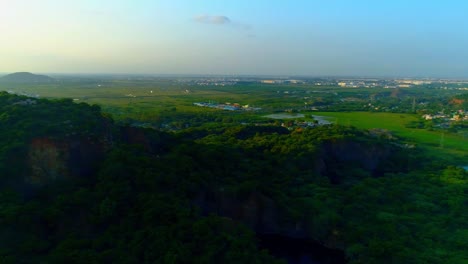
(268,215)
(49,160)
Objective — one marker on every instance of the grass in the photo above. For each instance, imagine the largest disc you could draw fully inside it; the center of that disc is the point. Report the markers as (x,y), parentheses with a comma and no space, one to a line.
(113,97)
(437,142)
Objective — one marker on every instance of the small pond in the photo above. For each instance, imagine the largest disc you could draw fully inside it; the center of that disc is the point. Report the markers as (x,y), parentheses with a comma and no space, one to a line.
(284,116)
(322,120)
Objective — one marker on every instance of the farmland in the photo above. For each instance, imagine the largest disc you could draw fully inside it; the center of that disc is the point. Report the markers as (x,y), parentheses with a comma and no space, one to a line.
(440,143)
(161,100)
(342,183)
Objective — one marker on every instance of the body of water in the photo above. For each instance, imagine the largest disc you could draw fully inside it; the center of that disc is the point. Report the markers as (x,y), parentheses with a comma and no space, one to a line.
(284,116)
(322,120)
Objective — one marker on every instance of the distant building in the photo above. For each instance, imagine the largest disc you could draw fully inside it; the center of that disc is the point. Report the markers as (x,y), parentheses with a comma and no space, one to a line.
(427,117)
(272,81)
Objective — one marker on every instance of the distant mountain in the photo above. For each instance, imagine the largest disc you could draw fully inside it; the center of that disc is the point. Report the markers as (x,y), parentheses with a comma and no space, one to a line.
(25,77)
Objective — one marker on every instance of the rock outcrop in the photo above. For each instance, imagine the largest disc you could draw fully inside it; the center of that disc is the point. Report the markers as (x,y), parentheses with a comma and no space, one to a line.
(49,160)
(265,215)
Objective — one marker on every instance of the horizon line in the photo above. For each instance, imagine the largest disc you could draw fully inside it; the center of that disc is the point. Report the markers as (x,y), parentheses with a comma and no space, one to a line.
(279,76)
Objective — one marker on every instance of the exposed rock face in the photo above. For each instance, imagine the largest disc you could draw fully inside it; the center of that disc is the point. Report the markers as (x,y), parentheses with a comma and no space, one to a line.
(370,158)
(265,216)
(47,161)
(136,136)
(257,211)
(151,141)
(50,160)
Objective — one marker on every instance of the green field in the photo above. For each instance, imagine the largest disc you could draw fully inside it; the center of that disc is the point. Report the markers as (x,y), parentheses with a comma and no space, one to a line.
(440,143)
(145,100)
(145,96)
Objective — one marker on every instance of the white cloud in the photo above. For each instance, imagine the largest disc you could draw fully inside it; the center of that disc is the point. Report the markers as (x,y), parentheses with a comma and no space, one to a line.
(215,20)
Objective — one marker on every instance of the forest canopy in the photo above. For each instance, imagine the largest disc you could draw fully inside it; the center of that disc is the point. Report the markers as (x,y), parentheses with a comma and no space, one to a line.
(78,188)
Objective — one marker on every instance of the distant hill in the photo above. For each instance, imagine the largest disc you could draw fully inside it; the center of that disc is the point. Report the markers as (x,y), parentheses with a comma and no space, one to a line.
(25,77)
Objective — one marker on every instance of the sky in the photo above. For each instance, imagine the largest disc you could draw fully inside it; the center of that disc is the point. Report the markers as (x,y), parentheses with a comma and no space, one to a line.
(387,38)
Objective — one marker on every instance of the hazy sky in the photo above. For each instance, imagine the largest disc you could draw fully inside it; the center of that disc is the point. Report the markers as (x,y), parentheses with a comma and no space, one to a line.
(287,37)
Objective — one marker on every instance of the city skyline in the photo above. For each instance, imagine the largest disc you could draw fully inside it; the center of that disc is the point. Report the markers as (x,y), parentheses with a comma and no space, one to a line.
(310,38)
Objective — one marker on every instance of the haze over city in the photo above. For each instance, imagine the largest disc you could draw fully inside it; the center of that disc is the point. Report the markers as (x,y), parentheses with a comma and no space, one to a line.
(315,38)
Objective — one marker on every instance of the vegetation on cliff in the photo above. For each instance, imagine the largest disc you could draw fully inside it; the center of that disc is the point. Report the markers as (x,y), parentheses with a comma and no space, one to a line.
(199,195)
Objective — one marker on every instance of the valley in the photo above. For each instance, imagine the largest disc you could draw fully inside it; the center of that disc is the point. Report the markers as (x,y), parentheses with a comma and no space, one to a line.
(91,174)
